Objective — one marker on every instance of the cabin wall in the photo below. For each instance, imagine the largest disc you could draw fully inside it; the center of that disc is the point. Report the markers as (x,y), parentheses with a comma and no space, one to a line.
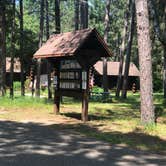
(112,81)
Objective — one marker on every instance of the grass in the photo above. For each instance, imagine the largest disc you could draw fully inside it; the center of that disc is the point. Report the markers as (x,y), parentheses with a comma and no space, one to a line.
(117,122)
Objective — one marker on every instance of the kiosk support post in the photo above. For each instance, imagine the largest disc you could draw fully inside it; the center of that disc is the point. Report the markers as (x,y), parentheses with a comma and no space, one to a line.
(56,103)
(85,101)
(85,95)
(56,89)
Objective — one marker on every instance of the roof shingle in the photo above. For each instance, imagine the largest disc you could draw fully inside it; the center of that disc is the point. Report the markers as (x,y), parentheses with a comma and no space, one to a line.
(113,68)
(66,44)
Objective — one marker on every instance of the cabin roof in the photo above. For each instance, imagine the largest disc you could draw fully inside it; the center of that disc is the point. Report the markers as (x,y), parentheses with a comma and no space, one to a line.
(113,68)
(68,44)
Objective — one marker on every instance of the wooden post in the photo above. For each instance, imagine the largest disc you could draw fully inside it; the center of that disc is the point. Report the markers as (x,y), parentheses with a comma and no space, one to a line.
(56,103)
(85,96)
(85,101)
(56,89)
(105,80)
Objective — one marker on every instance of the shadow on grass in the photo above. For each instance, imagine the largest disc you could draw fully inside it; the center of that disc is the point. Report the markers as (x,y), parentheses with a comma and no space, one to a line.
(104,114)
(62,145)
(90,117)
(135,139)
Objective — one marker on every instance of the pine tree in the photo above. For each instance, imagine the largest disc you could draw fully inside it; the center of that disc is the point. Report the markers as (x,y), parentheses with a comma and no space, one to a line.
(76,13)
(40,44)
(2,48)
(57,17)
(145,62)
(48,63)
(22,48)
(129,47)
(12,52)
(106,31)
(122,50)
(161,35)
(83,14)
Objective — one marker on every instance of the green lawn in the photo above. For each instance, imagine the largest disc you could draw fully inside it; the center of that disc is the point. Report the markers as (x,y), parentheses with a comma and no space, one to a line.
(117,122)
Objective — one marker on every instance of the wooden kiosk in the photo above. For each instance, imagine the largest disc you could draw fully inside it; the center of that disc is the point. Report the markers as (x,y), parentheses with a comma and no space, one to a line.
(72,55)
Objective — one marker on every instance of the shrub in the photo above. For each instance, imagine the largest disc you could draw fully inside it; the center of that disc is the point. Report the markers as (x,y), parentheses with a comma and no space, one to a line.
(17,85)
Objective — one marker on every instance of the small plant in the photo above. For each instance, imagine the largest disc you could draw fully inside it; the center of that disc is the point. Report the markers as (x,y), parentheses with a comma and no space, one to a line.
(97,89)
(17,85)
(150,127)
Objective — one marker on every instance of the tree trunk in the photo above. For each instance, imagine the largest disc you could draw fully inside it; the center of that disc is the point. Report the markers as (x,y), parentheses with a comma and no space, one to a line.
(107,20)
(106,31)
(48,63)
(12,51)
(76,17)
(2,49)
(122,52)
(161,36)
(105,80)
(1,45)
(57,17)
(21,48)
(84,14)
(145,62)
(157,29)
(117,51)
(40,44)
(128,51)
(164,80)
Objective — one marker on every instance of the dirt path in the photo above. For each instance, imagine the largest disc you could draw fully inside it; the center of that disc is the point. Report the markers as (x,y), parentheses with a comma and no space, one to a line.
(42,144)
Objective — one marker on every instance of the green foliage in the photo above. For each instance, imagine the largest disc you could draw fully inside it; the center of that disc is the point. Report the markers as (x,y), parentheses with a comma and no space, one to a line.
(157,84)
(158,112)
(96,20)
(97,89)
(150,127)
(98,95)
(17,85)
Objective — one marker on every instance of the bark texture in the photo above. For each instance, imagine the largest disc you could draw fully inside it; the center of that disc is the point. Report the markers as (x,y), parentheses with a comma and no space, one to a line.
(161,35)
(164,73)
(83,14)
(57,17)
(2,49)
(21,48)
(1,43)
(48,63)
(76,14)
(12,51)
(106,31)
(40,44)
(128,51)
(122,52)
(145,62)
(107,20)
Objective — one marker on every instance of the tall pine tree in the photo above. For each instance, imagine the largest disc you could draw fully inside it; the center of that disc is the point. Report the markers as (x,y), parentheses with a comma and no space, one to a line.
(22,48)
(145,62)
(40,44)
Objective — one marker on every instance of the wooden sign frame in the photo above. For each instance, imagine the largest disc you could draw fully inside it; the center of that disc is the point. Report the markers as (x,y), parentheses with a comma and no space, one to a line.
(71,80)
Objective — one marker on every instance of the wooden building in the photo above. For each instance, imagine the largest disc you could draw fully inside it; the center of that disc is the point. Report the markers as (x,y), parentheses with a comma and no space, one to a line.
(113,72)
(72,55)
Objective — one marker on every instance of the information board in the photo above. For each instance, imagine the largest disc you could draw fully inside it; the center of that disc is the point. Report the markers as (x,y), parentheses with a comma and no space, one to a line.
(71,76)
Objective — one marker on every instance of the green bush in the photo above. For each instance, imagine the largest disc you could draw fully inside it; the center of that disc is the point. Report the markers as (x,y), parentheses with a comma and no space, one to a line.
(98,95)
(97,89)
(17,85)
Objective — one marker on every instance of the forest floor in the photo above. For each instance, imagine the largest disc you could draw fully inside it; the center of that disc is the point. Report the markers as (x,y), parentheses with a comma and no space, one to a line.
(117,122)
